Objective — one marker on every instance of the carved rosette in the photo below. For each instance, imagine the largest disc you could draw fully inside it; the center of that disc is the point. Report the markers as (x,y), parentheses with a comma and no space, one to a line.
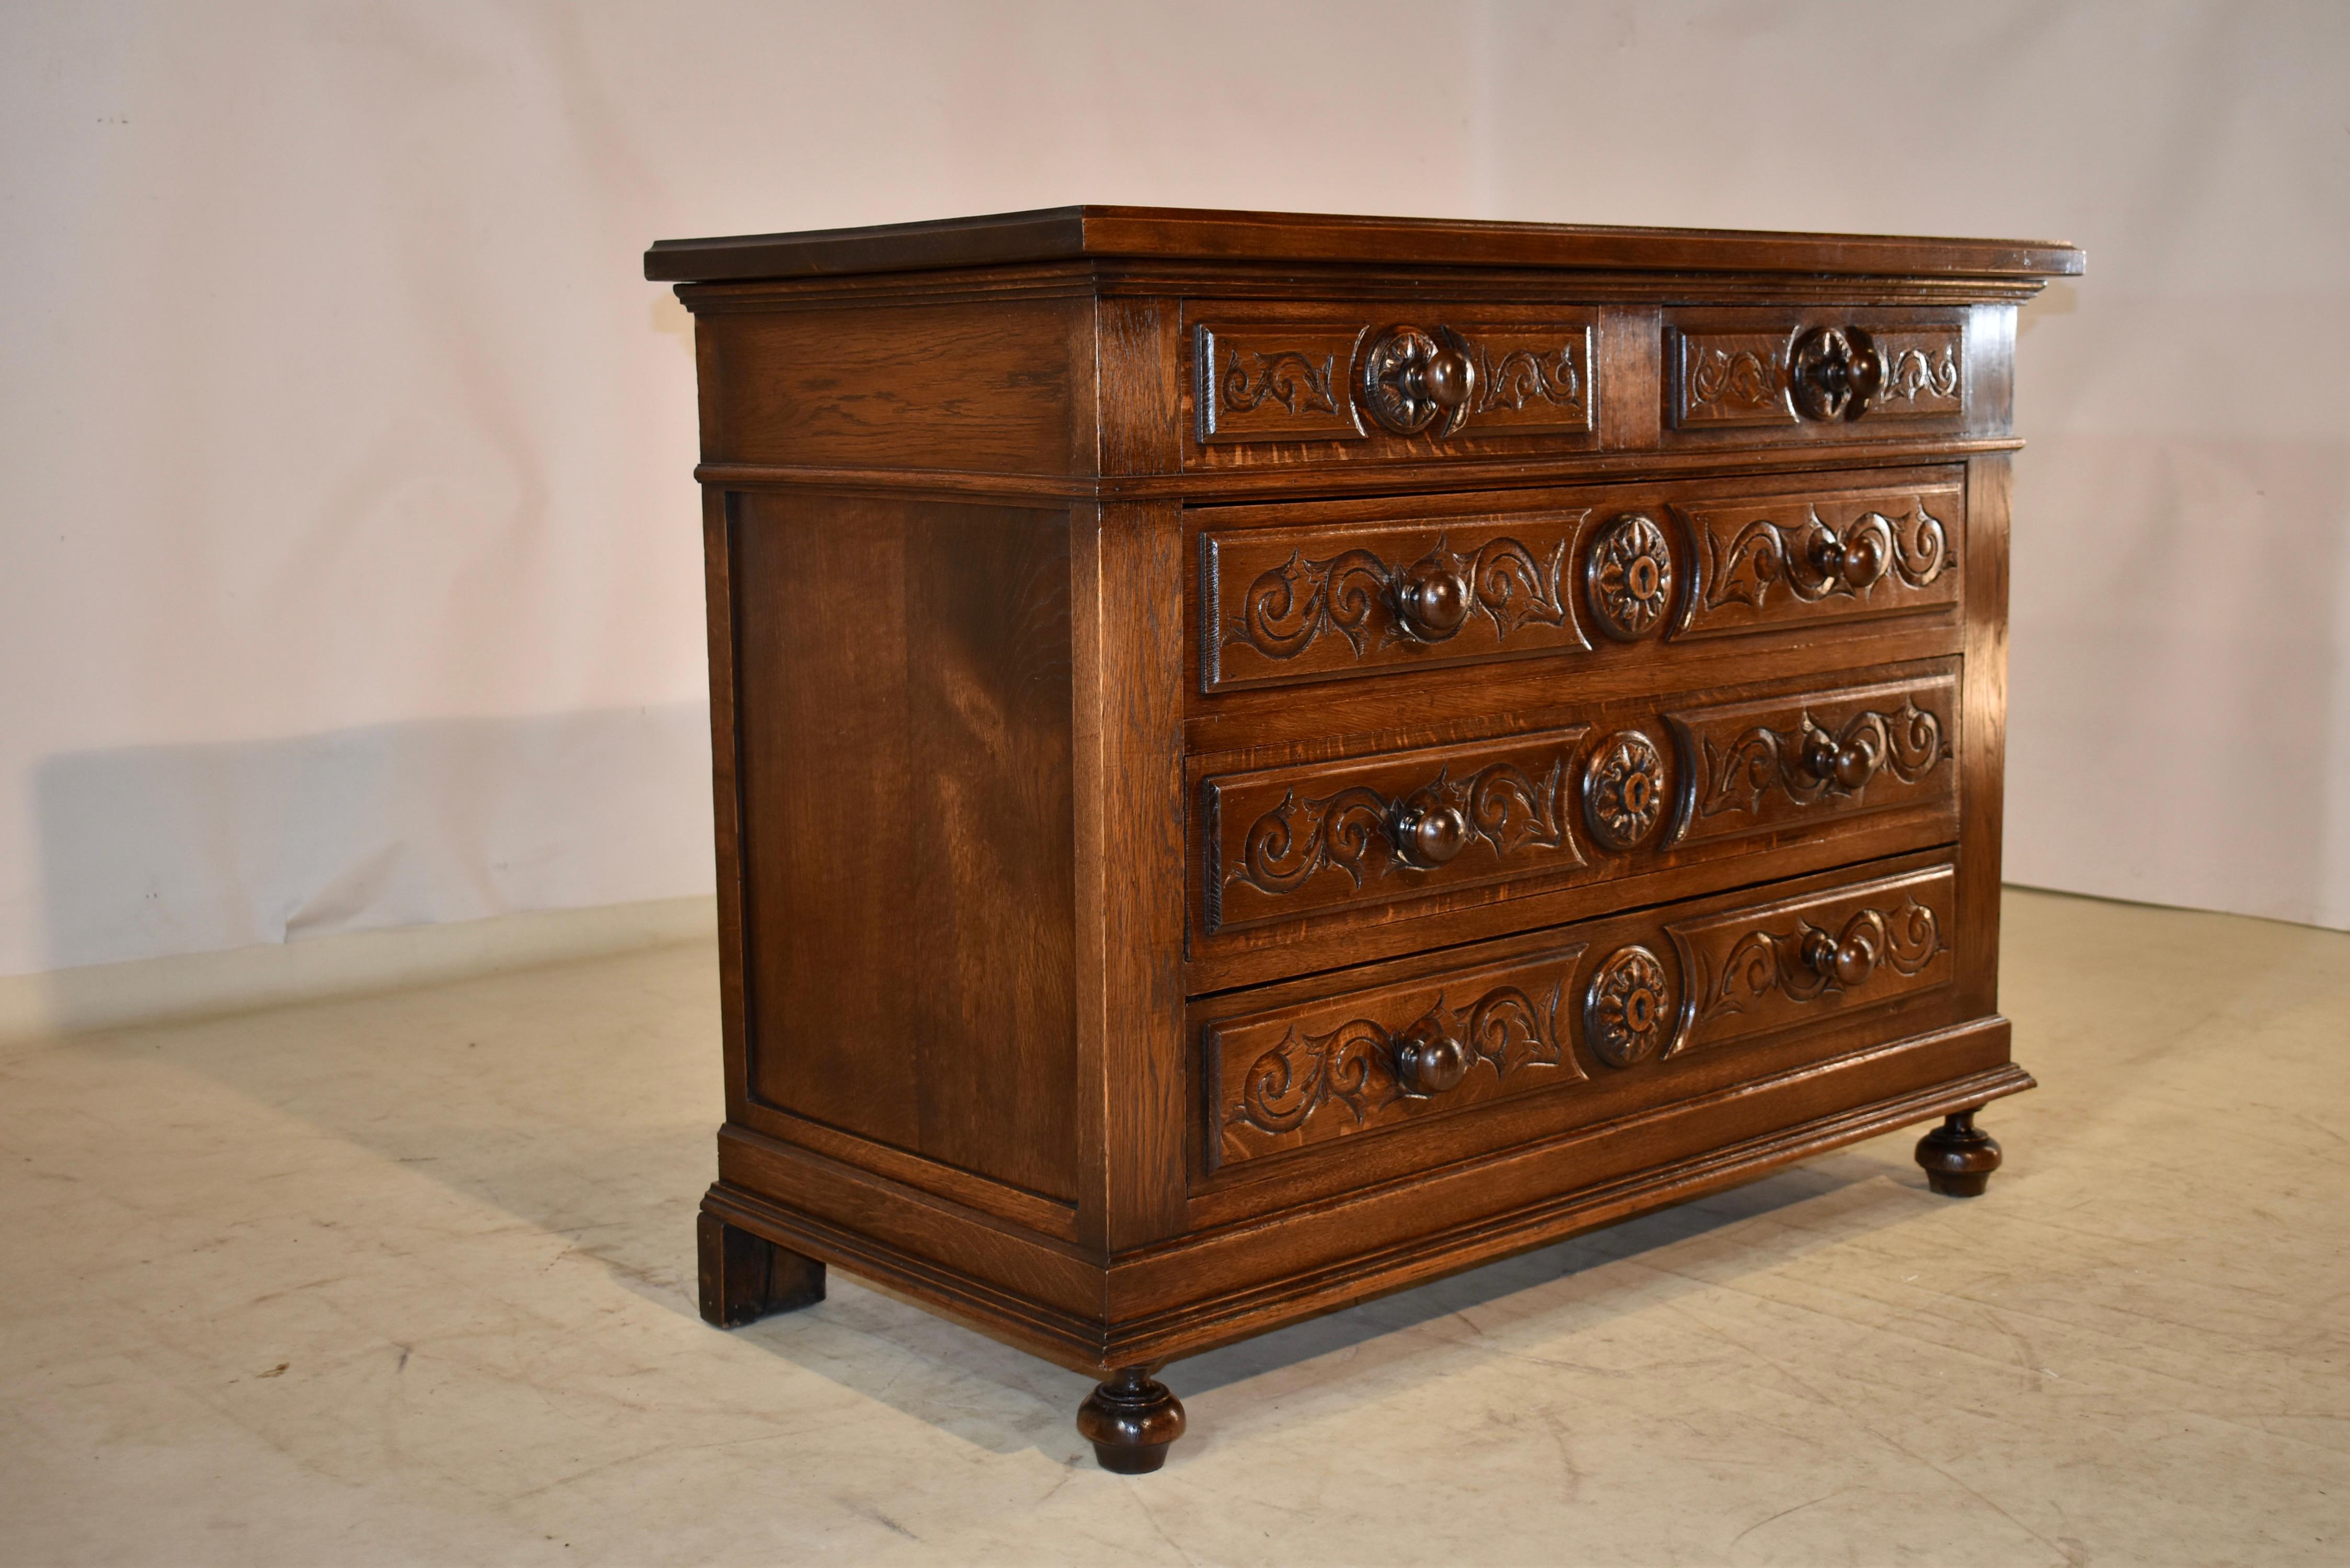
(1818,562)
(1624,789)
(1629,580)
(1811,962)
(1357,595)
(1627,1013)
(1353,1070)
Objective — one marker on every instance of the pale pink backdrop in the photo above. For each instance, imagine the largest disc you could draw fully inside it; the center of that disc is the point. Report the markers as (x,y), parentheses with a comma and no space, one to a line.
(352,574)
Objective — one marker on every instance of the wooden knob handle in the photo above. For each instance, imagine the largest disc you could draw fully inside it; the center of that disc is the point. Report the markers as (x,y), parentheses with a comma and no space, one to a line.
(1412,380)
(1432,599)
(1846,766)
(1448,378)
(1833,372)
(1848,962)
(1428,1059)
(1428,836)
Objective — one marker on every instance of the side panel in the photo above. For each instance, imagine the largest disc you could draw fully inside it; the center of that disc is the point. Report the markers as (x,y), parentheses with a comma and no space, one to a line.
(904,762)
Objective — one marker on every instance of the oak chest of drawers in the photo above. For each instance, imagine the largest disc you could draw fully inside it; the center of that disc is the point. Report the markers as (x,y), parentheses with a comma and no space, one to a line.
(1261,759)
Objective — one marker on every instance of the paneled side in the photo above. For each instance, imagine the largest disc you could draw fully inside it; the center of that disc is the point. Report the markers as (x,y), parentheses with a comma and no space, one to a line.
(904,707)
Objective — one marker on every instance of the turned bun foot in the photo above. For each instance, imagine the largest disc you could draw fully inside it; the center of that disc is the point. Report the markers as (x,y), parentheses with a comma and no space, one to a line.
(1957,1157)
(1130,1420)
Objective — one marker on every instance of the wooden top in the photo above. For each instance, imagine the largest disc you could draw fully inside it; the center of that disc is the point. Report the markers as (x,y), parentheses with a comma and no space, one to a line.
(1178,233)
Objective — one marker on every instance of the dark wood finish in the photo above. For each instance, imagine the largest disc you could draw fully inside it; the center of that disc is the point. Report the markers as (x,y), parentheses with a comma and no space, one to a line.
(1958,1157)
(1070,233)
(904,755)
(1129,1420)
(746,1276)
(1259,760)
(1278,606)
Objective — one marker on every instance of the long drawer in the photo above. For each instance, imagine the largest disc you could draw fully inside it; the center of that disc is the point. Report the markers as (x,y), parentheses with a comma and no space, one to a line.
(1330,861)
(1376,1072)
(1314,621)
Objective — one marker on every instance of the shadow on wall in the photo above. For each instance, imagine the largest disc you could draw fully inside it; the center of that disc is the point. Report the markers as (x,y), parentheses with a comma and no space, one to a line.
(153,850)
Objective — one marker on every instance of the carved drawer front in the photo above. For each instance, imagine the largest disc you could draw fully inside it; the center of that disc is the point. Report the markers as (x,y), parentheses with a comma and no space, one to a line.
(1812,559)
(1820,371)
(1782,763)
(1401,374)
(1365,1059)
(1800,960)
(1287,842)
(1287,604)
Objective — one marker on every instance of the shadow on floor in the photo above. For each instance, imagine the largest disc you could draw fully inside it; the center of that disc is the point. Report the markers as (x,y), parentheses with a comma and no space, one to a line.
(581,1130)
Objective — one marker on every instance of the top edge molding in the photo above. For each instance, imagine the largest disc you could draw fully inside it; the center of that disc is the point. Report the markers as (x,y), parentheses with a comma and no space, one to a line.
(1177,234)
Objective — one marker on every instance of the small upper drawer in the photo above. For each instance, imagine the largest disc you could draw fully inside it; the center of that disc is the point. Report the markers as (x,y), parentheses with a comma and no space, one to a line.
(1308,381)
(1816,373)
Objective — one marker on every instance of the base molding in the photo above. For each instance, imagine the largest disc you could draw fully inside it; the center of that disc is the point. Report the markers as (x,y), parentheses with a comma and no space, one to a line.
(1103,1340)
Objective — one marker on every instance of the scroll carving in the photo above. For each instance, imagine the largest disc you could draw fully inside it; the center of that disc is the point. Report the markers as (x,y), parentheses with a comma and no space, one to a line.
(1731,378)
(1355,831)
(1284,376)
(1739,380)
(1818,561)
(1811,762)
(1351,1070)
(1810,961)
(1789,963)
(1522,375)
(1354,595)
(1912,373)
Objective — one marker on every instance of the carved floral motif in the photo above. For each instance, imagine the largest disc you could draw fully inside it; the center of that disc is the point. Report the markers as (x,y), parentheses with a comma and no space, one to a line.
(1628,1011)
(1817,561)
(1631,578)
(1285,376)
(1354,593)
(1911,374)
(1722,379)
(1522,375)
(1810,961)
(1812,762)
(1353,1066)
(1297,840)
(1624,789)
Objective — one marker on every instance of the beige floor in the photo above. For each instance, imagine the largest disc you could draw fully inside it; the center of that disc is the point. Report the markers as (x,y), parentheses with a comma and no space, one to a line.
(408,1280)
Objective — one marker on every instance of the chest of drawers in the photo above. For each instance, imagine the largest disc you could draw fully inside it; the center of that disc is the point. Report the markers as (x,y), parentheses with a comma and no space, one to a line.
(1263,759)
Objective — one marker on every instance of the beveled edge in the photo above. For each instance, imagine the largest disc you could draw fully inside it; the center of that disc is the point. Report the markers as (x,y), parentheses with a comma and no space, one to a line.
(1063,234)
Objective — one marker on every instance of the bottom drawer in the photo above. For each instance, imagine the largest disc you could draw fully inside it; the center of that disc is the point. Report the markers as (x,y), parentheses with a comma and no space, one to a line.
(1326,1082)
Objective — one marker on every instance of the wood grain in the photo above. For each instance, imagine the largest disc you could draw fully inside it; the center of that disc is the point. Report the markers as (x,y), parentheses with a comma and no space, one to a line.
(1260,759)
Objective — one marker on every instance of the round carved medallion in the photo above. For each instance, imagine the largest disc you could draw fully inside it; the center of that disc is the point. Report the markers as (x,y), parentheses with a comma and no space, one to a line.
(1631,579)
(1624,789)
(1628,1012)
